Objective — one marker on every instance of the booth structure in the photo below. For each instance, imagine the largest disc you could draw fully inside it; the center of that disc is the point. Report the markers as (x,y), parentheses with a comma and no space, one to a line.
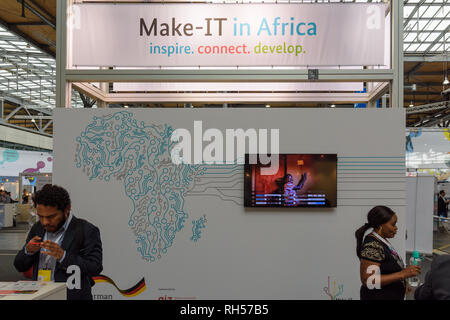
(382,75)
(181,230)
(421,194)
(7,215)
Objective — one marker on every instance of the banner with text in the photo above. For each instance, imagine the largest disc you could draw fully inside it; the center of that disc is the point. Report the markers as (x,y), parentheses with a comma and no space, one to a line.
(140,35)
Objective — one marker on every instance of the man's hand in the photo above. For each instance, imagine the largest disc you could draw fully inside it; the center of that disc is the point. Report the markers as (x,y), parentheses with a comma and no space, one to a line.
(34,245)
(53,248)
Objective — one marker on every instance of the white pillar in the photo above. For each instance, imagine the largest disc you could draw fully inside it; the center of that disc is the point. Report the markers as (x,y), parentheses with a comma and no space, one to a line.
(396,87)
(61,55)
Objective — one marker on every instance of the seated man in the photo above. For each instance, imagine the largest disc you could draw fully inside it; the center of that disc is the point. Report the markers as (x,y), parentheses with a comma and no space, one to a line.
(59,240)
(437,281)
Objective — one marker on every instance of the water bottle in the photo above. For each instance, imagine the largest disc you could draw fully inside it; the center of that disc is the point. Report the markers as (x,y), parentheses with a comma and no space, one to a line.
(415,260)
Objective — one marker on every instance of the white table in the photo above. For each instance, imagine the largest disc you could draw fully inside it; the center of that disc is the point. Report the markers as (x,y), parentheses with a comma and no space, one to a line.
(7,212)
(49,291)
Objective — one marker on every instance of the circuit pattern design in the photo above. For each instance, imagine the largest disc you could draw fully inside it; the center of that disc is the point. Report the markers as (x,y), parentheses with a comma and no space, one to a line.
(117,147)
(197,225)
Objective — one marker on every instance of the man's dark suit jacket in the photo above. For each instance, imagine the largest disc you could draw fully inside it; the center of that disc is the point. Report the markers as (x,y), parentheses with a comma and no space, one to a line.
(437,281)
(85,253)
(442,206)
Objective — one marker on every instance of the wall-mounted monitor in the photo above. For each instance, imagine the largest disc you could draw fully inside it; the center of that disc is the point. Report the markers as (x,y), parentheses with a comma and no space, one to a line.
(302,180)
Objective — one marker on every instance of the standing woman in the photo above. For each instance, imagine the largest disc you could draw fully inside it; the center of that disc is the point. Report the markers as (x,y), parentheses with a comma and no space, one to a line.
(375,250)
(25,197)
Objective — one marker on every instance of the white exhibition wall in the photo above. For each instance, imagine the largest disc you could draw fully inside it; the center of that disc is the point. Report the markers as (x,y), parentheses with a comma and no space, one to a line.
(421,191)
(214,248)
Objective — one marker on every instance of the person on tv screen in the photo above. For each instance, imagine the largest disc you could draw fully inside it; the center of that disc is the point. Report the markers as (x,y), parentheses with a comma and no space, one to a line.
(382,271)
(290,189)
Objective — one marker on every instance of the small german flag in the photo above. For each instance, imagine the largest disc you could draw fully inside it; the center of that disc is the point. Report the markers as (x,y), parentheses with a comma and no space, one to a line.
(132,292)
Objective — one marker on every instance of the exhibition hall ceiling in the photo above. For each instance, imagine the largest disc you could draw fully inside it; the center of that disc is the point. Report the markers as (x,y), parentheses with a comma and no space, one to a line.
(28,67)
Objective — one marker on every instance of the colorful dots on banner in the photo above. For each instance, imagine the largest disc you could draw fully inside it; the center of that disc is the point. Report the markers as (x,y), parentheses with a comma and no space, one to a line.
(447,134)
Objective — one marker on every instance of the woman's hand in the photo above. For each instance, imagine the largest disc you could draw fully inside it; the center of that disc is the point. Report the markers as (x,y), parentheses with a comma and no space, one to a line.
(410,271)
(408,290)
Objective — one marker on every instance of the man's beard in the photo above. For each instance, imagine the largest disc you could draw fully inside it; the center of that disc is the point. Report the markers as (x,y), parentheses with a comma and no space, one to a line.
(59,226)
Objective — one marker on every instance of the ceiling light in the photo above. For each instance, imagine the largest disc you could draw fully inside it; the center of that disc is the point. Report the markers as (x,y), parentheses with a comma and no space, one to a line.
(411,105)
(32,120)
(267,105)
(446,82)
(125,106)
(333,106)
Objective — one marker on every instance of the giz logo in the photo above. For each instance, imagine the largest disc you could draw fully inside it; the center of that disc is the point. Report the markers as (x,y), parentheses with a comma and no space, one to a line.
(165,298)
(332,292)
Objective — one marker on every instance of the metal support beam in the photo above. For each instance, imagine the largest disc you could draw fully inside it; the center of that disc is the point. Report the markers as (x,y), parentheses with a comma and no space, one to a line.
(47,126)
(166,75)
(426,84)
(383,101)
(25,129)
(439,37)
(331,98)
(42,9)
(87,102)
(32,117)
(428,107)
(13,113)
(433,120)
(38,14)
(425,58)
(396,85)
(29,23)
(430,73)
(44,47)
(61,54)
(35,78)
(413,12)
(377,93)
(104,86)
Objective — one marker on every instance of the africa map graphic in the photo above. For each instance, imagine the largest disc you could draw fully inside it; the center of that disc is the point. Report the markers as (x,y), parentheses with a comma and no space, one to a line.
(116,147)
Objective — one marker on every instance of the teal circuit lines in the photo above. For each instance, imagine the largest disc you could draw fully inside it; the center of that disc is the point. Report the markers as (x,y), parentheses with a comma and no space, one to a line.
(197,225)
(118,147)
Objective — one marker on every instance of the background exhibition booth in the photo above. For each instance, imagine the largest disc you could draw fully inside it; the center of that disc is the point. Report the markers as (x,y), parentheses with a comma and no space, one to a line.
(22,170)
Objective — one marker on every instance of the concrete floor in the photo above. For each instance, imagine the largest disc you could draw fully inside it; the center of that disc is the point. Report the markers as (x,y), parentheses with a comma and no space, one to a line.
(441,242)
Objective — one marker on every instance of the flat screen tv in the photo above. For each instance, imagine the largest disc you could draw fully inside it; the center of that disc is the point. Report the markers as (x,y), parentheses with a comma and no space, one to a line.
(302,180)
